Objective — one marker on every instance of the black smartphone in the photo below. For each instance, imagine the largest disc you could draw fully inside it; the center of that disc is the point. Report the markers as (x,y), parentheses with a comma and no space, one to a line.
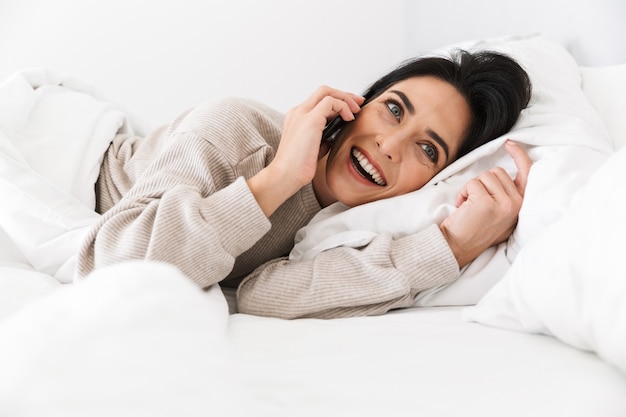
(332,129)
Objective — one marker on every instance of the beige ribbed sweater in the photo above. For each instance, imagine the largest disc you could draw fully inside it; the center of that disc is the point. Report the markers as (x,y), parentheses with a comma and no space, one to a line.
(179,196)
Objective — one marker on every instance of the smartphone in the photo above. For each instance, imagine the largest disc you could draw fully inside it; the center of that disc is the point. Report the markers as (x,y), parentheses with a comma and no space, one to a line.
(332,129)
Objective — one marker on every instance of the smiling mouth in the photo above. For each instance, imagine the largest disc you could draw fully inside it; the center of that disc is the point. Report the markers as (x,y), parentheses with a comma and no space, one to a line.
(366,169)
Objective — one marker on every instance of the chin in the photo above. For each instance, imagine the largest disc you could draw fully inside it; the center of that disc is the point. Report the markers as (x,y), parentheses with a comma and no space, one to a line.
(351,202)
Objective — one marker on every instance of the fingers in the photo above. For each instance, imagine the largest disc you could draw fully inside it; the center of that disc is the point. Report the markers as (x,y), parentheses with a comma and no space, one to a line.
(497,181)
(523,163)
(352,101)
(331,107)
(300,143)
(322,106)
(495,184)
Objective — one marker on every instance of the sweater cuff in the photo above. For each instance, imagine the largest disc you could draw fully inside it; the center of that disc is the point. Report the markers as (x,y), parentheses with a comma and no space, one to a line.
(426,258)
(237,217)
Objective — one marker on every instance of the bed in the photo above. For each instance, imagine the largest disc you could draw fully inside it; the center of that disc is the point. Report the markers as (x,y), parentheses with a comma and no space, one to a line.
(534,327)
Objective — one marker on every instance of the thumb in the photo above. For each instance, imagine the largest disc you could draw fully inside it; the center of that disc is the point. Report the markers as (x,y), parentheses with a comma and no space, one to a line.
(523,163)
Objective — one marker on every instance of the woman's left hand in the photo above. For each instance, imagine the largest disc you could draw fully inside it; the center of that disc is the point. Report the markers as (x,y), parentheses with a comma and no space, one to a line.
(487,209)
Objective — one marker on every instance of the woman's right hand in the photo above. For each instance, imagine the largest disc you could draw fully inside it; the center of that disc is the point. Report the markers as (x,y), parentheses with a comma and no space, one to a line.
(299,147)
(296,159)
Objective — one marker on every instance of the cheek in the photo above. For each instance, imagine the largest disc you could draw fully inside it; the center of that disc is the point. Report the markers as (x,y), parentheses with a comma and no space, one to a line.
(335,155)
(335,171)
(414,176)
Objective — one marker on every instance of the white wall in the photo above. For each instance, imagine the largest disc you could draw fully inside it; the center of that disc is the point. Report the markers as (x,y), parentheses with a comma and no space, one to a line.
(594,31)
(158,57)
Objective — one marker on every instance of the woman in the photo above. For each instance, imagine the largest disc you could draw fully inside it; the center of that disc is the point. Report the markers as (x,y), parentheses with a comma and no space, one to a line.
(223,190)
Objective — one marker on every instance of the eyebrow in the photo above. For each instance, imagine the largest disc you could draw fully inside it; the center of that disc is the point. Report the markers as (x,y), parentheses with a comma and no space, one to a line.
(434,135)
(405,100)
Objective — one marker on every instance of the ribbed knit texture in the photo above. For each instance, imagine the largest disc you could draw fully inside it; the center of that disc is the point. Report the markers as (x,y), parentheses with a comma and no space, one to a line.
(346,282)
(180,196)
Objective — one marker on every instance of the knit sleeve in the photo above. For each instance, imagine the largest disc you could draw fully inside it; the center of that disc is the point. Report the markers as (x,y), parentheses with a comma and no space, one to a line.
(342,282)
(191,205)
(190,209)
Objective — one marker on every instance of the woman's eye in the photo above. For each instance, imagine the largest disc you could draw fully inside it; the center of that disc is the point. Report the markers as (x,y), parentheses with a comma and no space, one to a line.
(430,151)
(395,109)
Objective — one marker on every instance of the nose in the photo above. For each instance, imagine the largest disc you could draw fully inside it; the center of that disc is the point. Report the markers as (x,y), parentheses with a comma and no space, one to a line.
(391,145)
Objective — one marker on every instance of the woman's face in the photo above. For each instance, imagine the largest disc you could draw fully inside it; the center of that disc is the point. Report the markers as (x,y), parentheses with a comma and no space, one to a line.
(397,143)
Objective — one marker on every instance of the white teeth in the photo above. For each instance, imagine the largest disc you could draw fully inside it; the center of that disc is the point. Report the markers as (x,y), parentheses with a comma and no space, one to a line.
(368,167)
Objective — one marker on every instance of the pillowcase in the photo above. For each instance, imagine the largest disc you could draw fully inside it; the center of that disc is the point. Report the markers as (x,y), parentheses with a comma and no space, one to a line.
(564,136)
(601,84)
(570,282)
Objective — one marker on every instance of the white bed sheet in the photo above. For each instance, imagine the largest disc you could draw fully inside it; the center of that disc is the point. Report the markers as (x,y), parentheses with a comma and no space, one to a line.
(420,362)
(139,339)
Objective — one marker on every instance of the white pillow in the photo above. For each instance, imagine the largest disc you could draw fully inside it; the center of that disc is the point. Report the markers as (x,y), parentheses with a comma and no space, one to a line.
(570,282)
(605,87)
(565,137)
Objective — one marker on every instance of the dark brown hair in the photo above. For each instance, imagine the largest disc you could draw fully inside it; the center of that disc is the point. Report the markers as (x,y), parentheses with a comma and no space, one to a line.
(495,86)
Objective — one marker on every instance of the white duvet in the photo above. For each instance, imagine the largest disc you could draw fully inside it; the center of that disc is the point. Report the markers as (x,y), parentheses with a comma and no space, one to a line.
(54,131)
(138,339)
